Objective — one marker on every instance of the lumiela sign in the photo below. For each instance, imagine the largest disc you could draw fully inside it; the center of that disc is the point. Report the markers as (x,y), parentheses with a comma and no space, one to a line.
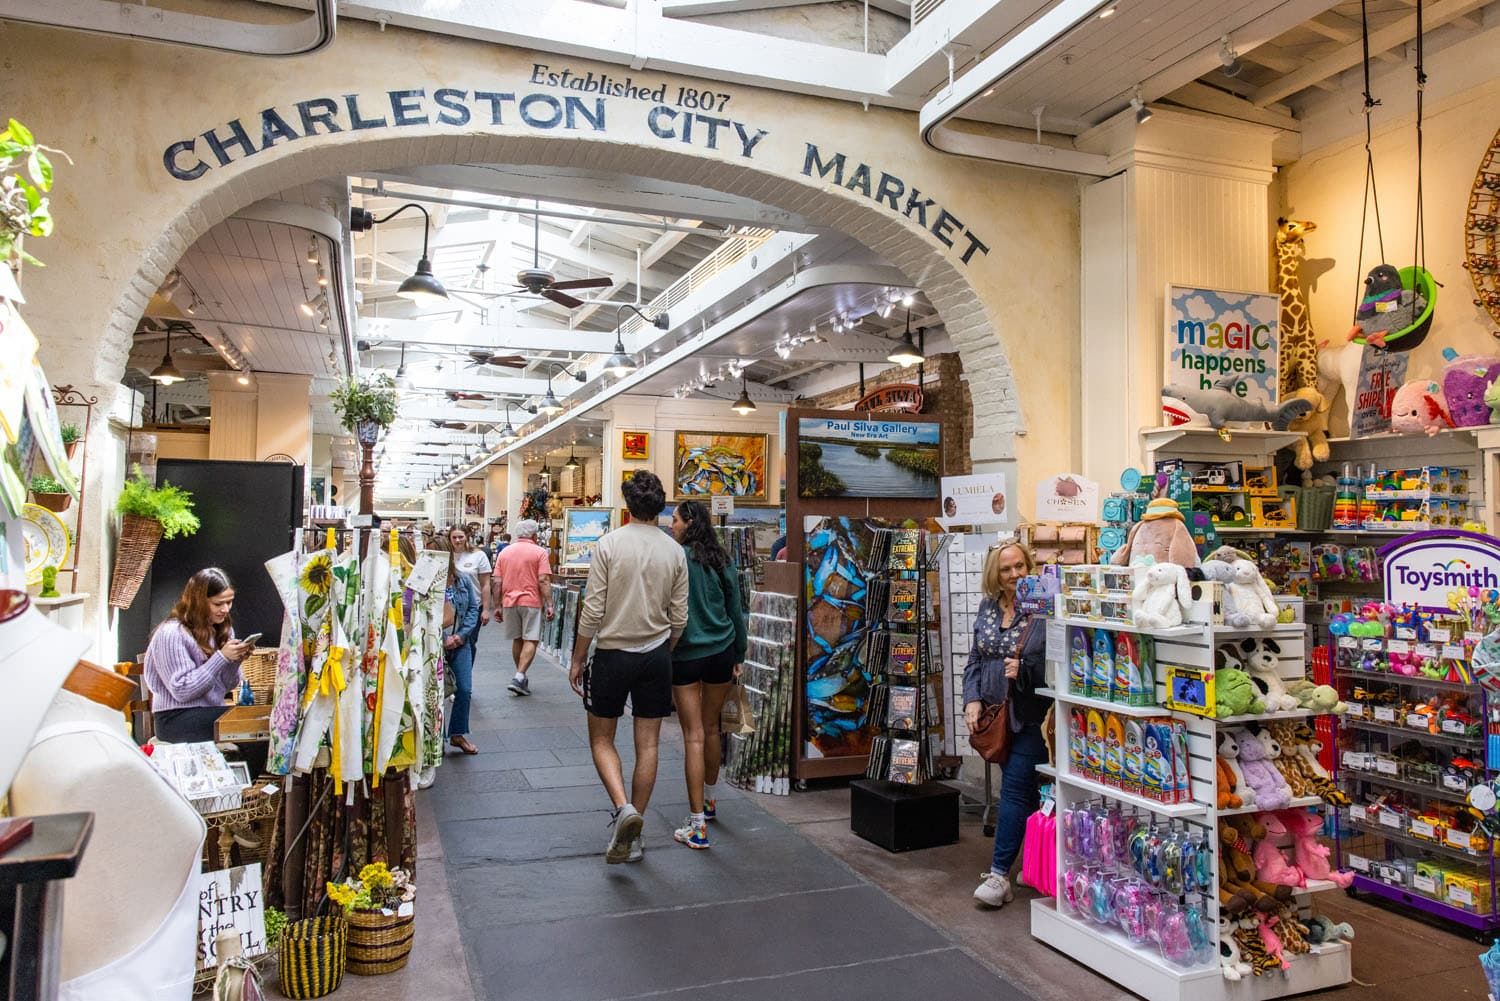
(560,100)
(1428,568)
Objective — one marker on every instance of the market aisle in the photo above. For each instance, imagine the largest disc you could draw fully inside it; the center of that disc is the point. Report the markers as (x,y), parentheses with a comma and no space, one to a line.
(765,913)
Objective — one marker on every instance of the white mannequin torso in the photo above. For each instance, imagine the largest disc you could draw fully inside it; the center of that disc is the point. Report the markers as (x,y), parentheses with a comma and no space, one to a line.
(147,842)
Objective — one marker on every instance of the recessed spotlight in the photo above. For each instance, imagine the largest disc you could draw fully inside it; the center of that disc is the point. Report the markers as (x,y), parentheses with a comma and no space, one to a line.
(1107,13)
(988,93)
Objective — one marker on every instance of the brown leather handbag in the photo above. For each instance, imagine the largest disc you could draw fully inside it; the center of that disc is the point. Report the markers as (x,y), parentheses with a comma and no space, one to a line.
(991,736)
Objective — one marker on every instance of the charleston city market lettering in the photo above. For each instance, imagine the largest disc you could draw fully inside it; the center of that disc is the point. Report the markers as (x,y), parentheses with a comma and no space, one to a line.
(673,114)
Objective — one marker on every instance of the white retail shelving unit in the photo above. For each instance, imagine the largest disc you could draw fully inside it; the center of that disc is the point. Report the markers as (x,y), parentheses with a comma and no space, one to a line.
(1106,951)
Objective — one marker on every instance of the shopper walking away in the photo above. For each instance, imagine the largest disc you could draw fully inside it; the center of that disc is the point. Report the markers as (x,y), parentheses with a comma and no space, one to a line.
(704,662)
(523,595)
(458,649)
(474,563)
(1007,657)
(634,611)
(498,541)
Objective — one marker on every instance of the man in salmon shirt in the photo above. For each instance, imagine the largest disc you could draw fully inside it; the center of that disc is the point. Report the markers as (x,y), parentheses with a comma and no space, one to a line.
(521,588)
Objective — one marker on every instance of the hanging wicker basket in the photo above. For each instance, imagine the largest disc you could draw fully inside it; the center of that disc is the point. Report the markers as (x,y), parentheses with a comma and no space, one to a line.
(379,943)
(311,957)
(139,538)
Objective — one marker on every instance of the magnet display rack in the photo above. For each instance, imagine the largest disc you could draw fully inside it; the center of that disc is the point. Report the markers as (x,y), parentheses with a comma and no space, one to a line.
(906,701)
(1141,969)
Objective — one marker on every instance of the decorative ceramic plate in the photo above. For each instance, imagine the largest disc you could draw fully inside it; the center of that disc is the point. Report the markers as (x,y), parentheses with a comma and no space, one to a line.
(46,540)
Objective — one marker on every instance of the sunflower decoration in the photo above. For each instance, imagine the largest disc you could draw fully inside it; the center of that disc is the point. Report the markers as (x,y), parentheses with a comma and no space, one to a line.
(317,575)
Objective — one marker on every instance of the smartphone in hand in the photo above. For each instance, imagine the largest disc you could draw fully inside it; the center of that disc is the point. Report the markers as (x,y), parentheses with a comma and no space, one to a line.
(250,640)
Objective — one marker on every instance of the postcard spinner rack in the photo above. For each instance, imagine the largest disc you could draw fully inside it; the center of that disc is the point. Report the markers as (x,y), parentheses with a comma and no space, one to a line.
(905,702)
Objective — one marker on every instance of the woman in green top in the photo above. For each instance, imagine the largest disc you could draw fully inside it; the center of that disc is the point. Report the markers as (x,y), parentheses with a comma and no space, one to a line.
(705,662)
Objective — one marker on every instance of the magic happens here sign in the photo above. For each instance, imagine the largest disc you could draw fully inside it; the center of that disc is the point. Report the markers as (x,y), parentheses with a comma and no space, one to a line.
(558,100)
(1427,568)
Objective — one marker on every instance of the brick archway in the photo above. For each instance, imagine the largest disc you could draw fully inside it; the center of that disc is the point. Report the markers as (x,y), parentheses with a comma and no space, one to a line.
(992,384)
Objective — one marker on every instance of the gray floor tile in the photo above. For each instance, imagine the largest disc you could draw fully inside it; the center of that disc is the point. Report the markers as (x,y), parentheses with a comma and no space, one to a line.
(523,839)
(533,803)
(540,738)
(468,782)
(566,775)
(947,973)
(760,938)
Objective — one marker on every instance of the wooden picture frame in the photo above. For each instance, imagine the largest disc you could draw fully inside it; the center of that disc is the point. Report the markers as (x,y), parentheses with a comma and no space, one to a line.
(582,528)
(743,474)
(635,446)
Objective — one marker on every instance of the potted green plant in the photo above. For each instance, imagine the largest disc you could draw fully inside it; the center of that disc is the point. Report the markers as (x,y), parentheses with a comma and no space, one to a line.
(49,493)
(365,406)
(25,178)
(70,436)
(150,514)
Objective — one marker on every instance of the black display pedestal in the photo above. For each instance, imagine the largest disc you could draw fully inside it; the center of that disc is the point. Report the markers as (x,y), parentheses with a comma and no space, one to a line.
(31,876)
(903,818)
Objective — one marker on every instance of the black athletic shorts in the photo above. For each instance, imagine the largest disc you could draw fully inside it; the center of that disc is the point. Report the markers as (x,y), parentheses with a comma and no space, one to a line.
(715,669)
(645,677)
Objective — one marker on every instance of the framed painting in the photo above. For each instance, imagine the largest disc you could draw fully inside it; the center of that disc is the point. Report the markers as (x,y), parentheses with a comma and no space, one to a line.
(706,463)
(635,445)
(582,528)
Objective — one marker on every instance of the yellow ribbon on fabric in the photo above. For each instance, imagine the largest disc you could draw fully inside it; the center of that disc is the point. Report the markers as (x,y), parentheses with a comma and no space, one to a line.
(332,539)
(375,720)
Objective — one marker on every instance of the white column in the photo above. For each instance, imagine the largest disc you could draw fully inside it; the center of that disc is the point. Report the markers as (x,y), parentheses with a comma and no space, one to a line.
(283,424)
(1190,205)
(232,432)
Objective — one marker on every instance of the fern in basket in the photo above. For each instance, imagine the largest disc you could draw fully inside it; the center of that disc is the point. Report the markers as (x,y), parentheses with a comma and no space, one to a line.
(168,504)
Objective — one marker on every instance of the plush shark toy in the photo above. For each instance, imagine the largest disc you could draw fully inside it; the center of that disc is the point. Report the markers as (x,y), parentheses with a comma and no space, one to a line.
(1220,405)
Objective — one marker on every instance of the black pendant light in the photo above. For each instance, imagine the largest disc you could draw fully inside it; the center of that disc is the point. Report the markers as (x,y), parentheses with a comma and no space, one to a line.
(422,287)
(744,406)
(166,373)
(906,351)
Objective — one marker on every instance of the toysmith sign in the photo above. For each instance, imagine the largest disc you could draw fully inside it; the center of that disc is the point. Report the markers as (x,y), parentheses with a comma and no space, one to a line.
(582,104)
(1426,568)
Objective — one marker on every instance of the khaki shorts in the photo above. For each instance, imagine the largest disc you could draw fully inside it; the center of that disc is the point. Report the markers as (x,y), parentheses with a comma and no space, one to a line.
(518,622)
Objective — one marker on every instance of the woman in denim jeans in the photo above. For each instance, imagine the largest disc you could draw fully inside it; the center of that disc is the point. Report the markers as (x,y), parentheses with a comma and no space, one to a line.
(999,665)
(458,648)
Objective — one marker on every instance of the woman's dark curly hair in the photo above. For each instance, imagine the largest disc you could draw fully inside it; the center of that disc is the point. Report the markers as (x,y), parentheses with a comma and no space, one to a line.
(699,539)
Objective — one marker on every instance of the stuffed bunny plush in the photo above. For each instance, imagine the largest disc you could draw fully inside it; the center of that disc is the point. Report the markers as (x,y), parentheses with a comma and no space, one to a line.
(1161,594)
(1248,602)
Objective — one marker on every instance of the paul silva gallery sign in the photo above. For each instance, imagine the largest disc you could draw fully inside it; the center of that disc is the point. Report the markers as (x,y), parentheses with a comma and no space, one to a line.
(564,102)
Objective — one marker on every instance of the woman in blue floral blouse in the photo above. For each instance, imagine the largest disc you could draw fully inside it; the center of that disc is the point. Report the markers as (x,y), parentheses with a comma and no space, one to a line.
(1006,658)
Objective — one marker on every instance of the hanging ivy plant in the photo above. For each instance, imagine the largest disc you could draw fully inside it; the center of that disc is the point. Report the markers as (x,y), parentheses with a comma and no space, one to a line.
(25,178)
(359,400)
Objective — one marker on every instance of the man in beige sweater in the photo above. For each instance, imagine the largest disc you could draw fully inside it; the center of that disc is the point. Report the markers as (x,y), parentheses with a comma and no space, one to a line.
(634,609)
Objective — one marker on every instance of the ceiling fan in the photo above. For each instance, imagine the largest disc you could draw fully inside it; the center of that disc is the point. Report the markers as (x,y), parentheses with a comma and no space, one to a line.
(482,357)
(457,396)
(539,281)
(450,425)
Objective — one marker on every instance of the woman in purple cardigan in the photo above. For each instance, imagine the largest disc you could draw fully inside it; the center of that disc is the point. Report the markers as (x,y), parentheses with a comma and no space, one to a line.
(194,660)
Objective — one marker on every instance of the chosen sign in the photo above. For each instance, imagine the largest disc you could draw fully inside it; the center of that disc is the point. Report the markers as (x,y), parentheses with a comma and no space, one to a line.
(1425,568)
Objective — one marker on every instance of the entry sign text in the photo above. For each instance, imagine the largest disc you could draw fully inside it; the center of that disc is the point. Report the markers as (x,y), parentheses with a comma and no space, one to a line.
(723,505)
(231,900)
(1426,568)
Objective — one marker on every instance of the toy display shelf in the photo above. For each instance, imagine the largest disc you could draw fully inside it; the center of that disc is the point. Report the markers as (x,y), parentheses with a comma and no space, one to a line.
(1410,681)
(1205,443)
(1297,803)
(1421,902)
(1422,844)
(1141,969)
(1425,789)
(1399,732)
(1124,709)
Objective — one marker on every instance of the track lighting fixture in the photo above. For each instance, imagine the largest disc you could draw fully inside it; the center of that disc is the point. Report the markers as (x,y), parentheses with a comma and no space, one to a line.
(312,250)
(322,278)
(243,377)
(1229,59)
(1107,13)
(1142,113)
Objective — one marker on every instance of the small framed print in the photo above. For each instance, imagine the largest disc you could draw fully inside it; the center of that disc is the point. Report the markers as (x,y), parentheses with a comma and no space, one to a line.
(635,445)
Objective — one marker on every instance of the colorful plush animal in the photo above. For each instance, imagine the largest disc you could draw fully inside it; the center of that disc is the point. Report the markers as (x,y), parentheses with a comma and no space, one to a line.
(1252,949)
(1270,864)
(1235,693)
(1221,405)
(1262,658)
(1492,400)
(1318,698)
(1386,307)
(1321,928)
(1466,382)
(1239,888)
(1161,536)
(1314,425)
(1231,961)
(1311,855)
(1340,367)
(1161,595)
(1419,408)
(1257,754)
(1232,788)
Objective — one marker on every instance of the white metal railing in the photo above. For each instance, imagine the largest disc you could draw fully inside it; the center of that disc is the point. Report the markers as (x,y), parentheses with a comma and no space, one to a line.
(921,9)
(724,257)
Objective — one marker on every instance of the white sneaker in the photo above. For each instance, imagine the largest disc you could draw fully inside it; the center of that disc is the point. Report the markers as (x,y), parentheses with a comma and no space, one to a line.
(627,822)
(637,851)
(994,891)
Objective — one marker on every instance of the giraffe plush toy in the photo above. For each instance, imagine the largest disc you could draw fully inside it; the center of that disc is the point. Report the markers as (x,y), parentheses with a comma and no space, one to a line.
(1299,351)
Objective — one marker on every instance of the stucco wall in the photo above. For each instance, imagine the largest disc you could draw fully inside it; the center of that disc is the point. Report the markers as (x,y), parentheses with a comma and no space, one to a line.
(1326,184)
(123,220)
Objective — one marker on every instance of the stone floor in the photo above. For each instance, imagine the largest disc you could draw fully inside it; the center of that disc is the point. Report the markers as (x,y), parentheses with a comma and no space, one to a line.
(518,903)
